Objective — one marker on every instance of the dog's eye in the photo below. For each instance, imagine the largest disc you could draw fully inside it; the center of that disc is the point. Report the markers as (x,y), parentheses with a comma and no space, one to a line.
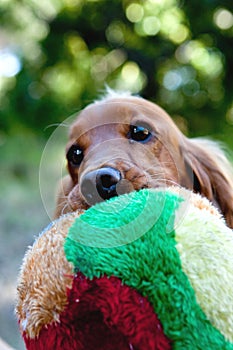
(75,155)
(139,133)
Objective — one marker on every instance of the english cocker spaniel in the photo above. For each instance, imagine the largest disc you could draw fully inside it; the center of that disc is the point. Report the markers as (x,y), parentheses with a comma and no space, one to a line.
(123,143)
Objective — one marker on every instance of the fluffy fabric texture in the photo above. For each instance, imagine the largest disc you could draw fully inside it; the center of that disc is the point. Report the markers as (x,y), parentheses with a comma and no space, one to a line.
(155,257)
(151,270)
(103,314)
(44,279)
(206,255)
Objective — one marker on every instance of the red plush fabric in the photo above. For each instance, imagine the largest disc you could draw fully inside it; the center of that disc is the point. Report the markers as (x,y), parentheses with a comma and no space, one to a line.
(103,314)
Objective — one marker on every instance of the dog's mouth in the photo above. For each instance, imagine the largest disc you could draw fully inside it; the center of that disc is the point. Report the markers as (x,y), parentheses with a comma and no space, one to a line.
(107,182)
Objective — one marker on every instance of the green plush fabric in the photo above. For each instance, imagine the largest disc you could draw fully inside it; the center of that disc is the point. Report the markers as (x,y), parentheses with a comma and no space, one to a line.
(131,237)
(121,220)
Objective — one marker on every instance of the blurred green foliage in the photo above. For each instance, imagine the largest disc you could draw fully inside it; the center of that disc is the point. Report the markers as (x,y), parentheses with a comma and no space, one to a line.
(56,56)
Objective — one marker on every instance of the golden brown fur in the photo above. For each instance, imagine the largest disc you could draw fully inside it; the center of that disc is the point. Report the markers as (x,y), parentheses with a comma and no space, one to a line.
(167,158)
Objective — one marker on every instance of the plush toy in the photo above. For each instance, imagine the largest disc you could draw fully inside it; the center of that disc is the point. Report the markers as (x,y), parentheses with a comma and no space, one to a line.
(147,270)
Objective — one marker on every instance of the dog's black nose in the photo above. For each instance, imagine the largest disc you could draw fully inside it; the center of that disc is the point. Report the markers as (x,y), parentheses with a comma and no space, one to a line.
(100,184)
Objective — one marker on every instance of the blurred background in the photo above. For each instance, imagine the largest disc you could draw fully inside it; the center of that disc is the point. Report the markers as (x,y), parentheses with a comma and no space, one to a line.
(57,56)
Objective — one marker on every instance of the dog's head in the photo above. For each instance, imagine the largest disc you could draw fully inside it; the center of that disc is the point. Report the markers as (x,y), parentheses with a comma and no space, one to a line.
(125,143)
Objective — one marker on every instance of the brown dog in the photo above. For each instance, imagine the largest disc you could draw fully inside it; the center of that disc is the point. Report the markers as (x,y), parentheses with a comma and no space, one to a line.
(124,143)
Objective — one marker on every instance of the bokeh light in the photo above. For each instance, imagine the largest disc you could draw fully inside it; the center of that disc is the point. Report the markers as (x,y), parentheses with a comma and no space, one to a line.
(131,78)
(223,18)
(70,49)
(151,25)
(208,61)
(134,12)
(115,33)
(10,64)
(172,80)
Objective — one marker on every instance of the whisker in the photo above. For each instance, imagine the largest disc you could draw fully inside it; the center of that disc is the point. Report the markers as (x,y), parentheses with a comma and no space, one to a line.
(63,209)
(172,182)
(156,180)
(156,175)
(56,124)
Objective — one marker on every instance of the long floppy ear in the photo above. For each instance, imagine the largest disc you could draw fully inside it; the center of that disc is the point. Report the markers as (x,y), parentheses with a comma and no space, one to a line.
(212,173)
